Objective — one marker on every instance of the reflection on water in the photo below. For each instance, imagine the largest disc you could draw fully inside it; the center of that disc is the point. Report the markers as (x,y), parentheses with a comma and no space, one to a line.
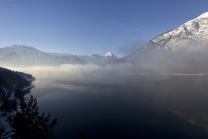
(128,107)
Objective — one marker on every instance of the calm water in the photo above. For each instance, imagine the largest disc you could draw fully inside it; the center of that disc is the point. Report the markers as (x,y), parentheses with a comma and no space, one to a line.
(131,107)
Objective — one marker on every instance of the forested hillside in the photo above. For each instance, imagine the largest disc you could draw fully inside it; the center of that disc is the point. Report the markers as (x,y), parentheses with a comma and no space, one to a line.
(12,87)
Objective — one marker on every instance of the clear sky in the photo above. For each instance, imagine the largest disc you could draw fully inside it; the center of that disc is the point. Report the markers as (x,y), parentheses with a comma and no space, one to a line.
(92,26)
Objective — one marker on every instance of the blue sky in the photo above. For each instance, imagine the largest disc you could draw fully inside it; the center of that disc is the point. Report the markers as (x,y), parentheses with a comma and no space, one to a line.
(92,26)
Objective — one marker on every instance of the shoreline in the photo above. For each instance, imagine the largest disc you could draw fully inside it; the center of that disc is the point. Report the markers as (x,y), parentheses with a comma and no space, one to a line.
(28,87)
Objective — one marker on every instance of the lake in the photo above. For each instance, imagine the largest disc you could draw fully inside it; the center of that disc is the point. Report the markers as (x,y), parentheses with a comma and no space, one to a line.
(131,106)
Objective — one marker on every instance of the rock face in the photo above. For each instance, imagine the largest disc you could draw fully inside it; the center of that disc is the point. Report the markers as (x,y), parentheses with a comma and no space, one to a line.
(191,34)
(108,58)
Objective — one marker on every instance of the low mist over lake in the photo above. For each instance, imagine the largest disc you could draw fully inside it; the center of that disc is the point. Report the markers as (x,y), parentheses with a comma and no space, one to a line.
(125,106)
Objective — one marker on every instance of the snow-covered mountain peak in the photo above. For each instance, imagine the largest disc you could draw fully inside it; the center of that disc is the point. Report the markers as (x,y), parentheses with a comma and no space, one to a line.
(204,15)
(190,35)
(109,54)
(108,58)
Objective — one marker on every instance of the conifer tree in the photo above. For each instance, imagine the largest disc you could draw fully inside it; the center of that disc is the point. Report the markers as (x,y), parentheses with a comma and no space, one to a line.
(28,123)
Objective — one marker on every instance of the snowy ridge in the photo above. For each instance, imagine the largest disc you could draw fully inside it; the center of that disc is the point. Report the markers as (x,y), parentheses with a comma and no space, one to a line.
(204,15)
(25,54)
(189,35)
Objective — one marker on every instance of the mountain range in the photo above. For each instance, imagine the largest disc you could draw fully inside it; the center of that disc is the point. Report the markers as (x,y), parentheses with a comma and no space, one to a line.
(18,55)
(188,36)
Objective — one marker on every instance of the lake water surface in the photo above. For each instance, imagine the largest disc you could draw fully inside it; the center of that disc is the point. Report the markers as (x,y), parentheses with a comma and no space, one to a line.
(130,107)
